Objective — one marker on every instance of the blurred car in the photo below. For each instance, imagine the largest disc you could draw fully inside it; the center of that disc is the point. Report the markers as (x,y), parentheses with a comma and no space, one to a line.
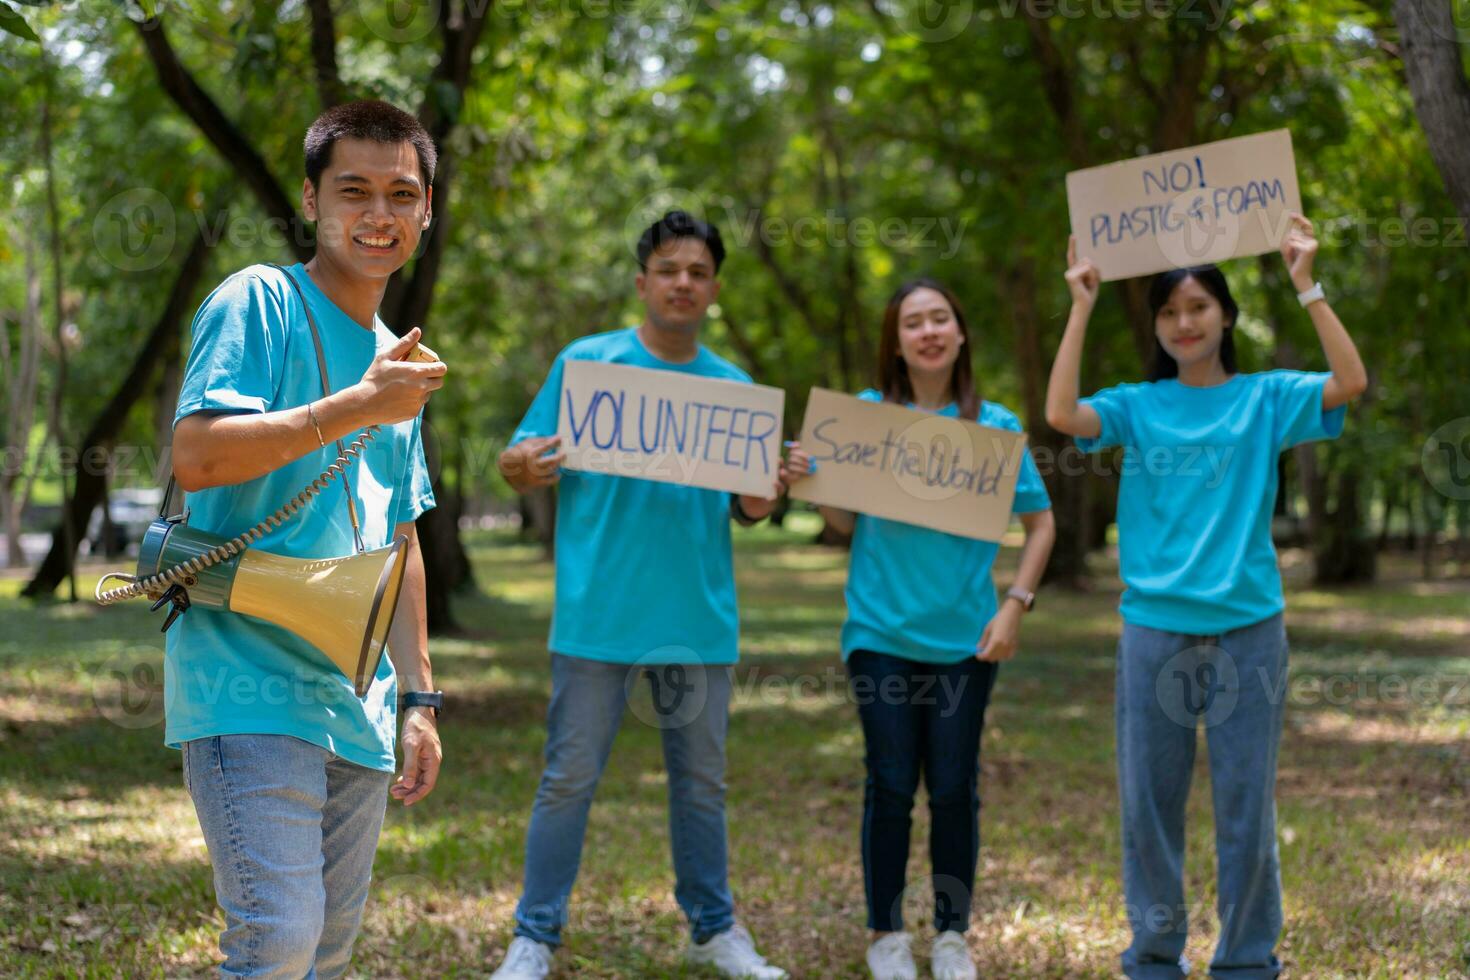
(132,510)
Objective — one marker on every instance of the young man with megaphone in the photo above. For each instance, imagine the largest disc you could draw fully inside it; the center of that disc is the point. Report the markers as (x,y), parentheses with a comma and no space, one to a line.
(287,762)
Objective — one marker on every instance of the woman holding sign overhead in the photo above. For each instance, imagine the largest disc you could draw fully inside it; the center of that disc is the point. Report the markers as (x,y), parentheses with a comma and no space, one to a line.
(923,640)
(1202,605)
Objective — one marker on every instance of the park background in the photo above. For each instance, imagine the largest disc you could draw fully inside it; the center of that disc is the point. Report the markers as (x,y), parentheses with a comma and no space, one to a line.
(149,150)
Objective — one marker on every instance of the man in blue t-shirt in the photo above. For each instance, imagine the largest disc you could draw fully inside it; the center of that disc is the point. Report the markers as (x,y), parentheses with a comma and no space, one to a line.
(288,768)
(644,587)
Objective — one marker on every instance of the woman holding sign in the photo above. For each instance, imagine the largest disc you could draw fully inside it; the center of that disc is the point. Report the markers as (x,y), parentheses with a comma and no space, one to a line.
(923,640)
(1202,605)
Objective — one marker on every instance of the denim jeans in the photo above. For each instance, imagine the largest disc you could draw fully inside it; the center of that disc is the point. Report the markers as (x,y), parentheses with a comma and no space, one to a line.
(691,708)
(1167,685)
(291,831)
(920,718)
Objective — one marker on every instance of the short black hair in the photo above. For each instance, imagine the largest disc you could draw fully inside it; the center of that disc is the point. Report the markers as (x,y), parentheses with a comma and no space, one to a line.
(675,225)
(1215,283)
(367,120)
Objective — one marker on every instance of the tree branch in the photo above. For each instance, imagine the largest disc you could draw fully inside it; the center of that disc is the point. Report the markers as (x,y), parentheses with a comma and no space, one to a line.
(324,54)
(408,298)
(1056,84)
(237,151)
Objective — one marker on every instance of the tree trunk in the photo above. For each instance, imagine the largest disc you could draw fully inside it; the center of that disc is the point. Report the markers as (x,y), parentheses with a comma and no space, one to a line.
(1431,49)
(22,381)
(1069,493)
(91,482)
(446,564)
(538,518)
(53,217)
(1344,552)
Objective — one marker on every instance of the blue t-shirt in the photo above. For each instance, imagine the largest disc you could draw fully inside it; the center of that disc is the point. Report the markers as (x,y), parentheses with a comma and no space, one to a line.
(1197,491)
(643,569)
(231,674)
(922,594)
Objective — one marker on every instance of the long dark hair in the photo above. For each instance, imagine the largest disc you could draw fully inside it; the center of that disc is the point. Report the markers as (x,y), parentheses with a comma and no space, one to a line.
(1159,291)
(893,370)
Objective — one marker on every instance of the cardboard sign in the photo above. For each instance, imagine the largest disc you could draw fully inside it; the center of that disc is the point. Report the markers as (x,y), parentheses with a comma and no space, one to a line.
(1186,207)
(888,461)
(671,427)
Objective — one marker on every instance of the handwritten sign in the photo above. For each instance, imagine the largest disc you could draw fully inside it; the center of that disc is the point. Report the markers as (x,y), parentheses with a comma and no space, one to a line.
(1186,207)
(889,461)
(671,427)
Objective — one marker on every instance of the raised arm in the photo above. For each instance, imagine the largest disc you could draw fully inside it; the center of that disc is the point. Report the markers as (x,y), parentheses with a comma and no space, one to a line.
(1063,412)
(1349,377)
(211,449)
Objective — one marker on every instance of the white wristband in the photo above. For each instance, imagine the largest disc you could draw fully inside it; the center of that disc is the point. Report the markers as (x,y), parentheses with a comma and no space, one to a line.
(1310,296)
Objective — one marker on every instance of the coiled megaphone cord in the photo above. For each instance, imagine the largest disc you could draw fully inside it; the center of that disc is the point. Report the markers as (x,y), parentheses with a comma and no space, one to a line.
(177,574)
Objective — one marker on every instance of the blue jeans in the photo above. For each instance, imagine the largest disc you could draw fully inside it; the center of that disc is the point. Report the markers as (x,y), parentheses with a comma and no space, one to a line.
(920,718)
(291,831)
(1167,685)
(691,708)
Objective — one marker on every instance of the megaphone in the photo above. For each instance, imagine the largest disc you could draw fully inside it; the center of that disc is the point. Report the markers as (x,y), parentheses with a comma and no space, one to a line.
(342,606)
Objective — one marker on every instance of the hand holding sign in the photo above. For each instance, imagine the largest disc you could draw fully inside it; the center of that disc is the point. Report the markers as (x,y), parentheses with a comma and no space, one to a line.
(797,465)
(527,465)
(1299,249)
(1083,278)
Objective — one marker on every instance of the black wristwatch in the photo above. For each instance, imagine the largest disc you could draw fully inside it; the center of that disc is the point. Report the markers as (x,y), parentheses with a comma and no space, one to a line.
(421,699)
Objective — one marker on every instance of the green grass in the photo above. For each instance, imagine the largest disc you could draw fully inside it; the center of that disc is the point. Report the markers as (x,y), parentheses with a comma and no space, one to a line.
(103,871)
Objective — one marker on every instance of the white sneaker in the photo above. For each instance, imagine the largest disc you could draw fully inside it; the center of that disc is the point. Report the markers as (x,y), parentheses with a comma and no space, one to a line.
(732,952)
(525,960)
(949,957)
(889,958)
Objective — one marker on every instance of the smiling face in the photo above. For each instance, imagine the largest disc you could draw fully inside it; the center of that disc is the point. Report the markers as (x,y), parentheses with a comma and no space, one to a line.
(679,284)
(929,336)
(1190,324)
(370,206)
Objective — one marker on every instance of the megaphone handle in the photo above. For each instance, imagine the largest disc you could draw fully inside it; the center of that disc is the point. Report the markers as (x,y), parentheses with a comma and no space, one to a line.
(178,597)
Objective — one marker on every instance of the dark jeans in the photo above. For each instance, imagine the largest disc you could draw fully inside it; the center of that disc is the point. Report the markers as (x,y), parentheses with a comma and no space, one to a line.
(920,718)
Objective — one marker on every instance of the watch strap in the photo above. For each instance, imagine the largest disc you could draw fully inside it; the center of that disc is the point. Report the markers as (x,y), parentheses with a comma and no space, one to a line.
(1309,296)
(1027,599)
(422,699)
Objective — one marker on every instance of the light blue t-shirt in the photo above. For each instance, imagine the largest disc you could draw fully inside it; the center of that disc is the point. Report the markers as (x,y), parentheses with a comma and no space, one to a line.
(231,674)
(923,594)
(643,569)
(1197,491)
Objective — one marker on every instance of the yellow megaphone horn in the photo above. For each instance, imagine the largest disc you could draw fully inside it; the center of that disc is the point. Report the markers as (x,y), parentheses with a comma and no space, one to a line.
(342,606)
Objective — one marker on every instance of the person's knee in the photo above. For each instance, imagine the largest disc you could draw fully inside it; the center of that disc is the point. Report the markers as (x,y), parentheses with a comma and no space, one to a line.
(698,785)
(280,945)
(893,783)
(953,794)
(571,774)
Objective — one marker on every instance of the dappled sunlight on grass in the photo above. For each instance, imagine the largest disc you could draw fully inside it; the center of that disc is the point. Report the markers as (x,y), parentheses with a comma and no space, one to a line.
(98,838)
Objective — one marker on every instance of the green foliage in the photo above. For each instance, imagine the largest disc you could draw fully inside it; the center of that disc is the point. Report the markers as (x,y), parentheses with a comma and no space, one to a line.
(804,130)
